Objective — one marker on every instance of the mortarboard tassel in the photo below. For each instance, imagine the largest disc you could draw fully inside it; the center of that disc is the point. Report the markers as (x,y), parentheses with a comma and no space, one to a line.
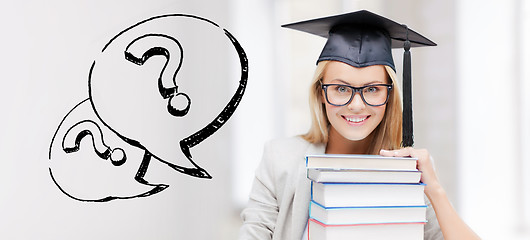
(408,137)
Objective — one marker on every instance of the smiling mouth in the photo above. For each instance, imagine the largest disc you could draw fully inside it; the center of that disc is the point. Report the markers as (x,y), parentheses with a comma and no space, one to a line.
(355,119)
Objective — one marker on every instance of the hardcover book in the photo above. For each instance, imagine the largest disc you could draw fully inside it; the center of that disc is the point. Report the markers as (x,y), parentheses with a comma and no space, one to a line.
(367,215)
(363,175)
(367,194)
(349,161)
(395,231)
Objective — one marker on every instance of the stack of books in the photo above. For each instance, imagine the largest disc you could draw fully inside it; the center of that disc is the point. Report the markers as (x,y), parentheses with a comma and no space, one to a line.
(365,197)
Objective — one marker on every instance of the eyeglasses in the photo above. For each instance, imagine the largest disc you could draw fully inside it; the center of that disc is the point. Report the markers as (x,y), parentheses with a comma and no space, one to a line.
(341,95)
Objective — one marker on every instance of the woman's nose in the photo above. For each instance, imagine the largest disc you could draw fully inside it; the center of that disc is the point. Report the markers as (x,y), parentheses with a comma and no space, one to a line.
(356,103)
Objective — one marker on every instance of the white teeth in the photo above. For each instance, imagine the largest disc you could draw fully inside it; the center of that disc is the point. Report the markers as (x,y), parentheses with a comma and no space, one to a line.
(356,120)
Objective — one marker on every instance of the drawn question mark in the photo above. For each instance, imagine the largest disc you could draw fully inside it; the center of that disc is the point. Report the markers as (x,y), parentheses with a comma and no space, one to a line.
(143,45)
(108,77)
(109,111)
(92,182)
(71,142)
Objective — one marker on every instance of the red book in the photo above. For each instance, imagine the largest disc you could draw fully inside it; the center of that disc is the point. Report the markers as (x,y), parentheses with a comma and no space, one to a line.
(384,231)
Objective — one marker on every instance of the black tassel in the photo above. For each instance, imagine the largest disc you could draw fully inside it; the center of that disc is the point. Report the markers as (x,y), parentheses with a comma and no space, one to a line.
(408,136)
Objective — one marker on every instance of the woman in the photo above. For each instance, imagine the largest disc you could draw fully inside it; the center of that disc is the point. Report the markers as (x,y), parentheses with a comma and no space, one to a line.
(356,109)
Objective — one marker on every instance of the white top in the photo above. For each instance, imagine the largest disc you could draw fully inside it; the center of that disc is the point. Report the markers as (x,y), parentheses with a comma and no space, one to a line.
(305,237)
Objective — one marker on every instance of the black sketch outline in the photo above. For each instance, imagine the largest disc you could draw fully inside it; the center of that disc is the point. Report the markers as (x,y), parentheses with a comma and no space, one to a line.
(186,143)
(156,187)
(96,139)
(156,51)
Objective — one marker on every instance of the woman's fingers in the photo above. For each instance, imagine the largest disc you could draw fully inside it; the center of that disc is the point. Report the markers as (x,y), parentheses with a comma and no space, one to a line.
(403,152)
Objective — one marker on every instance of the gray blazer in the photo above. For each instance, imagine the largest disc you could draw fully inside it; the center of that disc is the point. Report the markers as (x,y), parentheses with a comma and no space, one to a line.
(278,206)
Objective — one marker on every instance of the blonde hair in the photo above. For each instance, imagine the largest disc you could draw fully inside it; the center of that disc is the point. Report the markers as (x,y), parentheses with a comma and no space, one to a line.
(387,135)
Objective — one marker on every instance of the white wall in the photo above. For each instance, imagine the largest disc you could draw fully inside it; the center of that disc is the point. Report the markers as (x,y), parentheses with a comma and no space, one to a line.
(492,117)
(48,48)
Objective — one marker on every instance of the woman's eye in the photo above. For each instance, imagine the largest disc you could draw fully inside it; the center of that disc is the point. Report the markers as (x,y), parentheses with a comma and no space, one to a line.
(371,89)
(342,89)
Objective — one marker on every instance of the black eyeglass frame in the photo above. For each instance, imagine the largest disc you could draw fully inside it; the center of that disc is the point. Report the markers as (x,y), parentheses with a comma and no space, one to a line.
(355,90)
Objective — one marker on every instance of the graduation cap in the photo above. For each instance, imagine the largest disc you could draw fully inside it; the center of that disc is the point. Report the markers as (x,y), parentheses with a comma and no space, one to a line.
(363,39)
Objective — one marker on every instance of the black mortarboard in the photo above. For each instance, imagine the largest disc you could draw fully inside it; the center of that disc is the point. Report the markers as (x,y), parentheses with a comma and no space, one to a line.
(362,39)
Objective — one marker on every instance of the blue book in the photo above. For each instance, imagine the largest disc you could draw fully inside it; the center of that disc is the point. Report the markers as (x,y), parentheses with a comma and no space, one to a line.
(367,215)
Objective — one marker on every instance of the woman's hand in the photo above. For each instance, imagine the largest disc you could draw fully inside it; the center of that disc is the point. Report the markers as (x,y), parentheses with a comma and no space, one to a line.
(452,226)
(424,164)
